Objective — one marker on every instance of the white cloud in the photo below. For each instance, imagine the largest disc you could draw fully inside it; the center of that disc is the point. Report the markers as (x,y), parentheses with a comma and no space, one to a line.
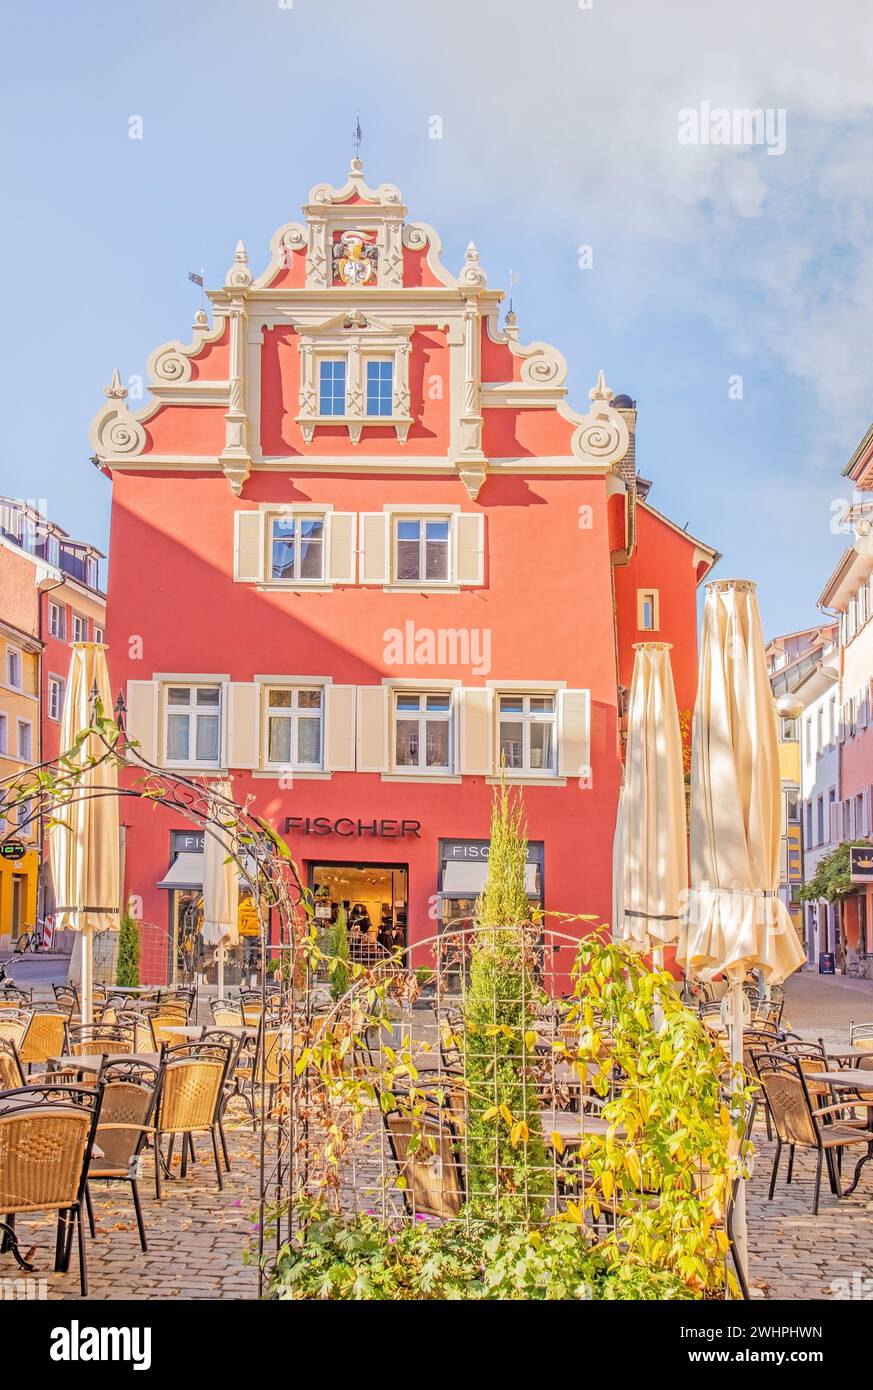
(587,103)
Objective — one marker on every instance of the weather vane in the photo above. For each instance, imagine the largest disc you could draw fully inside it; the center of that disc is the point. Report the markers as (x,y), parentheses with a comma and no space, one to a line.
(198,280)
(357,137)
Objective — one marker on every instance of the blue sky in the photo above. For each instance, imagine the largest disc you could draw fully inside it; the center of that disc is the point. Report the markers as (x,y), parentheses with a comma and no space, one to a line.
(559,130)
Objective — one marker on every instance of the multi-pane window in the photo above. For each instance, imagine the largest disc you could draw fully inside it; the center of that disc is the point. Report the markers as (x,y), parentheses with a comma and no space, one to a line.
(25,740)
(423,730)
(295,723)
(332,386)
(193,723)
(80,628)
(380,387)
(527,732)
(91,571)
(13,667)
(4,736)
(297,547)
(57,621)
(55,697)
(98,633)
(421,549)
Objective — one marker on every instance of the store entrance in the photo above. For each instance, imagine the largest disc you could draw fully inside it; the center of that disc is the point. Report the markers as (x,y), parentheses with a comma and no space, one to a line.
(374,897)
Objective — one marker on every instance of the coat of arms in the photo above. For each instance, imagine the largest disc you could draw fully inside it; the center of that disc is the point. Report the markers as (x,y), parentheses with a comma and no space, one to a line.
(355,256)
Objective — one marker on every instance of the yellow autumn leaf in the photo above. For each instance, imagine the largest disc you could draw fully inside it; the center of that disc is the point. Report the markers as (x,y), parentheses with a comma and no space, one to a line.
(557,1142)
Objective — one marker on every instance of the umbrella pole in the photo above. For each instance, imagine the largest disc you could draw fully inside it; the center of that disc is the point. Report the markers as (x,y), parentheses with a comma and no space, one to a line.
(219,969)
(87,974)
(658,1011)
(740,1229)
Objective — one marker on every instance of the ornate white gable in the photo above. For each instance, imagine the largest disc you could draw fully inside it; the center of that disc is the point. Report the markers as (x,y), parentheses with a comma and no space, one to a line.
(352,301)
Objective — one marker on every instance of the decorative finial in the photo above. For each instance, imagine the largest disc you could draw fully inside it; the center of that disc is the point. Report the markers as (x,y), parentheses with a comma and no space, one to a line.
(239,277)
(600,391)
(116,391)
(201,319)
(472,273)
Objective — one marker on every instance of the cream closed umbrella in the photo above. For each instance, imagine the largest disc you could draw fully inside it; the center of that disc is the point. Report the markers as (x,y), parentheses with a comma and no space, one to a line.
(220,886)
(735,920)
(84,847)
(651,833)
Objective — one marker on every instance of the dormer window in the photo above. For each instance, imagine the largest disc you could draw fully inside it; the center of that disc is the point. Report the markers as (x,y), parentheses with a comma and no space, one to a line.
(332,386)
(354,371)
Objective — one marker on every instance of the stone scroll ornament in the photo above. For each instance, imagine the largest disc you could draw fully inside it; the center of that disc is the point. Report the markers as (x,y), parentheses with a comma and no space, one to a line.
(116,430)
(602,435)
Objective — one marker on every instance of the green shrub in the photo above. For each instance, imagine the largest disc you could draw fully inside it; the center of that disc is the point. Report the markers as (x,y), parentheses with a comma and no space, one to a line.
(127,964)
(363,1258)
(336,949)
(506,1160)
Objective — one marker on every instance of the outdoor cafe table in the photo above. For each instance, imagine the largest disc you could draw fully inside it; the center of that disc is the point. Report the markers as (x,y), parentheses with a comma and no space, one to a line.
(854,1079)
(844,1055)
(92,1062)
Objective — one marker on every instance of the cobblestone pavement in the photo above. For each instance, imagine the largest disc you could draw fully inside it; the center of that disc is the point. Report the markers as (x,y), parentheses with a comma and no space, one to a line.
(795,1255)
(196,1235)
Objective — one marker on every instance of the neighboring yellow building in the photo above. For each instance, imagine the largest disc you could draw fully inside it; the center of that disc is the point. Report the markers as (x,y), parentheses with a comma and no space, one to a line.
(19,748)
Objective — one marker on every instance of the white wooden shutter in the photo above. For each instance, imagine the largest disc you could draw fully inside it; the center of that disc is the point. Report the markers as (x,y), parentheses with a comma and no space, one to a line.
(836,821)
(141,722)
(372,728)
(375,548)
(248,534)
(477,732)
(342,539)
(339,728)
(469,548)
(574,733)
(242,724)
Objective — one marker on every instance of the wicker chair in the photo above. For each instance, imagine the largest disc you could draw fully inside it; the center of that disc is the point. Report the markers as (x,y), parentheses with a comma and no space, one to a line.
(189,1102)
(13,1024)
(801,1124)
(130,1090)
(142,1033)
(46,1036)
(46,1138)
(162,1020)
(232,1084)
(226,1013)
(11,1070)
(11,997)
(67,999)
(252,1005)
(177,999)
(861,1035)
(101,1038)
(432,1166)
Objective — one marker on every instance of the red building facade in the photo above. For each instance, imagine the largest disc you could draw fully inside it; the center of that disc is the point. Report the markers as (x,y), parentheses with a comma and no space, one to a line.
(362,553)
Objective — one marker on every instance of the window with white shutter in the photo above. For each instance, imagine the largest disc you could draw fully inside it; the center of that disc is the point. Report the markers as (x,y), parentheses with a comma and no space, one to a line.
(141,719)
(339,732)
(243,722)
(372,728)
(574,734)
(248,547)
(476,732)
(374,547)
